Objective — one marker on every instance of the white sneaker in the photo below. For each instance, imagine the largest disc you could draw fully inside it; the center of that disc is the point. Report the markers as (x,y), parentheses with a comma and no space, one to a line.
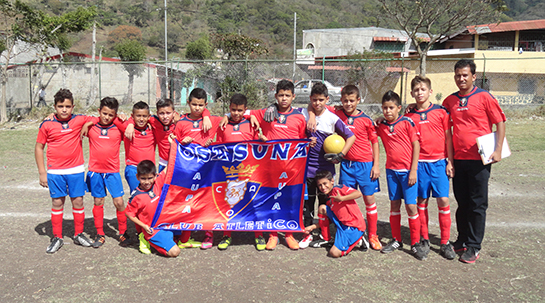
(305,242)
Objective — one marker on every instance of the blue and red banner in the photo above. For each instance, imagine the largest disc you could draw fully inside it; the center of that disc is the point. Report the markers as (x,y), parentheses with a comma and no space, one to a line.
(244,186)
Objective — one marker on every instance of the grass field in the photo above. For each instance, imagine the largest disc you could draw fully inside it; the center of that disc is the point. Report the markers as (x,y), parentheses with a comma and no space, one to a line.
(509,270)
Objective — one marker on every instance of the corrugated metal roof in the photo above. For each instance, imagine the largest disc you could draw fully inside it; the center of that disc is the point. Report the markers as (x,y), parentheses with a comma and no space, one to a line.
(506,26)
(390,39)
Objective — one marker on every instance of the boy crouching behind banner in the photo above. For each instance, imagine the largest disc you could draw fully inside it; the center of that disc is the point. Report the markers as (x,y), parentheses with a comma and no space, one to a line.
(142,206)
(341,208)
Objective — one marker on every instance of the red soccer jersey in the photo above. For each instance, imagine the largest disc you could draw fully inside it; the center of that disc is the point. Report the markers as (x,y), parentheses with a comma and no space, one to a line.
(104,143)
(348,212)
(397,138)
(161,133)
(141,147)
(432,124)
(142,204)
(471,116)
(236,132)
(63,139)
(290,125)
(363,127)
(188,127)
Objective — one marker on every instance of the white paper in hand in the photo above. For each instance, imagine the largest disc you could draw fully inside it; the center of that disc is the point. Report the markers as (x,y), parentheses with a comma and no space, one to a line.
(487,144)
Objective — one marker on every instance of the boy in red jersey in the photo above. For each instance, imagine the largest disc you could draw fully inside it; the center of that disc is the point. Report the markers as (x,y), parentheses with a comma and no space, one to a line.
(142,206)
(65,170)
(341,208)
(473,112)
(237,130)
(104,141)
(190,130)
(400,138)
(433,168)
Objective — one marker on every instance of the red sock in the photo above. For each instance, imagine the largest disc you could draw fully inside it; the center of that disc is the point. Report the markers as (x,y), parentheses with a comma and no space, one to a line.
(121,222)
(444,223)
(395,225)
(423,214)
(346,252)
(227,233)
(273,234)
(258,233)
(98,216)
(323,220)
(79,218)
(56,222)
(186,234)
(372,218)
(289,234)
(209,233)
(414,226)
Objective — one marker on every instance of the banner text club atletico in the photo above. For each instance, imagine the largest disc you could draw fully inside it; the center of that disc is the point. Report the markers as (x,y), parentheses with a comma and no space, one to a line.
(243,186)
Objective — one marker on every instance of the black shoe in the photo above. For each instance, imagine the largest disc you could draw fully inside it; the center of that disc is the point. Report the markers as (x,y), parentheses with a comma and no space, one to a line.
(459,246)
(82,240)
(447,251)
(320,242)
(125,240)
(425,246)
(99,240)
(419,251)
(470,255)
(56,244)
(392,246)
(364,243)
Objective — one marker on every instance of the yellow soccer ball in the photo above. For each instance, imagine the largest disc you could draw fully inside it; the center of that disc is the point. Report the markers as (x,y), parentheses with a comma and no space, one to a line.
(333,144)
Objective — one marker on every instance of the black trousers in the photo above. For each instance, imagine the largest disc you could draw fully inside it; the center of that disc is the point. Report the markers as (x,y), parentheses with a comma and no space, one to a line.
(308,206)
(470,186)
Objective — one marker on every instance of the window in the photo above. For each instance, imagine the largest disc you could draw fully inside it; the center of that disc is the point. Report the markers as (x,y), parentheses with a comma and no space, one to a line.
(527,86)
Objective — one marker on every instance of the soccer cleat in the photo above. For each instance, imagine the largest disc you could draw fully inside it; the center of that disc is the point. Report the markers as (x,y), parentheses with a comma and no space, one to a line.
(391,247)
(425,243)
(271,244)
(207,242)
(224,243)
(99,240)
(470,255)
(419,251)
(305,242)
(292,243)
(82,240)
(189,244)
(260,243)
(56,244)
(374,242)
(124,240)
(319,242)
(459,246)
(144,245)
(363,243)
(447,251)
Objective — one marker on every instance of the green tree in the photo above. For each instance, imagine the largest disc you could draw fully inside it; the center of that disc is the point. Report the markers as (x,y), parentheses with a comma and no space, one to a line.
(199,49)
(132,52)
(368,71)
(237,46)
(20,22)
(438,19)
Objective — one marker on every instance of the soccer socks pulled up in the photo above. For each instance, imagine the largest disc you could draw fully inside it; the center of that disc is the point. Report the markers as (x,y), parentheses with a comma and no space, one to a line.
(444,223)
(423,214)
(372,218)
(395,225)
(121,221)
(56,222)
(414,226)
(98,217)
(79,218)
(323,220)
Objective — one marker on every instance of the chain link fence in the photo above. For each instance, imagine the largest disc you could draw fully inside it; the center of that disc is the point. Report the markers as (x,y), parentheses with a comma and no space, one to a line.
(511,81)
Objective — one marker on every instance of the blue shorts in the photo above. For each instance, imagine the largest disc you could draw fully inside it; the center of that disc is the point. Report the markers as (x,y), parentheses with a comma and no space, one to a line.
(398,186)
(97,183)
(162,241)
(345,235)
(62,185)
(130,176)
(355,174)
(432,176)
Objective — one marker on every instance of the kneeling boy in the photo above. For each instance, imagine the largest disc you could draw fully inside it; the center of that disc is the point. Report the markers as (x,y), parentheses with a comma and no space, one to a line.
(341,208)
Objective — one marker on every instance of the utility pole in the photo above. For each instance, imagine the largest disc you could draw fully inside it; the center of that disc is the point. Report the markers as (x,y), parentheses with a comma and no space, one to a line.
(93,67)
(166,51)
(294,44)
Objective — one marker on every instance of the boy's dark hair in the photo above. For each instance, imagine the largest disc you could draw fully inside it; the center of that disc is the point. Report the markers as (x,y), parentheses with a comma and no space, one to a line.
(239,99)
(319,89)
(285,85)
(140,105)
(420,79)
(323,174)
(109,102)
(349,90)
(164,103)
(63,94)
(145,167)
(197,93)
(391,96)
(465,63)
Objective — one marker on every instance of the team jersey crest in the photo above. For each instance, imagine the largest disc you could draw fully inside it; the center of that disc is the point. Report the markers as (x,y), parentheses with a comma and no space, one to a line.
(236,127)
(463,102)
(282,119)
(423,116)
(391,128)
(65,125)
(104,132)
(350,121)
(166,127)
(196,124)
